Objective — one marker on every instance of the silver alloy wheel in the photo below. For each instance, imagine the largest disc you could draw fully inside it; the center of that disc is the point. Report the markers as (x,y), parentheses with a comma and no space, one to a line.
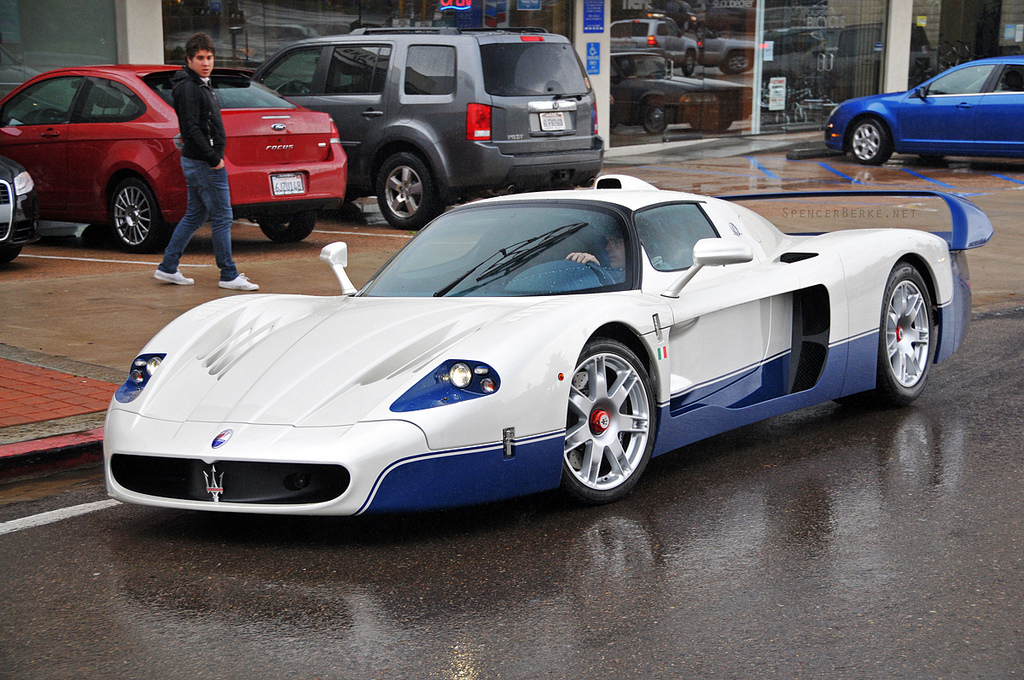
(404,191)
(612,412)
(907,334)
(737,63)
(867,140)
(132,215)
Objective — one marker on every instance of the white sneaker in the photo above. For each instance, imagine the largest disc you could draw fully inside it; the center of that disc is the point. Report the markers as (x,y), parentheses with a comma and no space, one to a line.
(176,277)
(240,282)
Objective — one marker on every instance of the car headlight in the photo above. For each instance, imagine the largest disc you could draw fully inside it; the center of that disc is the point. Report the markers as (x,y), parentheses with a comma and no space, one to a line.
(450,383)
(23,183)
(142,369)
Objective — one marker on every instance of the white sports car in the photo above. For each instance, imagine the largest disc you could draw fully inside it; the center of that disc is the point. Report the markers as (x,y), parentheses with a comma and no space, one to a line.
(531,341)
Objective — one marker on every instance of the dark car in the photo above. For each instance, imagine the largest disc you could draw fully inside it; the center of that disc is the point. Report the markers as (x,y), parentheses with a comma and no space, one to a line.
(19,209)
(644,93)
(975,109)
(431,116)
(100,142)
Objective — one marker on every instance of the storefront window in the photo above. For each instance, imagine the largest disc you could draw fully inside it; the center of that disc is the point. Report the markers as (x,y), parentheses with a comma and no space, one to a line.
(247,32)
(815,56)
(39,35)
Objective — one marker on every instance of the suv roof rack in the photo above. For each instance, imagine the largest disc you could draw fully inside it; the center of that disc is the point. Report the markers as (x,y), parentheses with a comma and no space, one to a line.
(443,30)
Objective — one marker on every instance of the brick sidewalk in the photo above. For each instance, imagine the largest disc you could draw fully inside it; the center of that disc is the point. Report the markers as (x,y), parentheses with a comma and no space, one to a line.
(30,394)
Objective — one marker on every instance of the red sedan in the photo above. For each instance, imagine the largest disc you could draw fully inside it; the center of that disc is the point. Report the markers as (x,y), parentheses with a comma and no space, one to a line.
(100,143)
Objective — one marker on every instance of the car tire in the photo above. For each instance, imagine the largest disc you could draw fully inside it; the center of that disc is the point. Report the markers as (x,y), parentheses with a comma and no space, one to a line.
(870,142)
(135,218)
(609,431)
(652,117)
(9,253)
(736,61)
(406,192)
(288,228)
(689,63)
(906,345)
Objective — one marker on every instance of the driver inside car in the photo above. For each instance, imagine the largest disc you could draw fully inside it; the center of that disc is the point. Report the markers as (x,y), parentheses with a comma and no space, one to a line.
(615,256)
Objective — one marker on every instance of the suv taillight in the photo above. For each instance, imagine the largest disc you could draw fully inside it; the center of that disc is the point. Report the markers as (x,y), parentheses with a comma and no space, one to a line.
(478,123)
(652,41)
(593,114)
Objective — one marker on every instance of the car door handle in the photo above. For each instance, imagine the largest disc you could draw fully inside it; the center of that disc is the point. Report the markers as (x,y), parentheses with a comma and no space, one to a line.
(371,113)
(51,133)
(964,105)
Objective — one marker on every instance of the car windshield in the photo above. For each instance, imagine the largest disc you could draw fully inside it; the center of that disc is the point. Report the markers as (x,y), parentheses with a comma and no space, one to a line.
(531,68)
(512,250)
(233,91)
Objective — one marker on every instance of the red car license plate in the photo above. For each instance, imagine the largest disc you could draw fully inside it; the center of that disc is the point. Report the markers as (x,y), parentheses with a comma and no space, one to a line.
(552,121)
(287,185)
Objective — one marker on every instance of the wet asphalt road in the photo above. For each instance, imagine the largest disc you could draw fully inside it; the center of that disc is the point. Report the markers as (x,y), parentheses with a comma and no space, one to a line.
(830,543)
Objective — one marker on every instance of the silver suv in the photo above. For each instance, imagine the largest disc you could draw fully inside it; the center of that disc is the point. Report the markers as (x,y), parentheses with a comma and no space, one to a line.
(432,116)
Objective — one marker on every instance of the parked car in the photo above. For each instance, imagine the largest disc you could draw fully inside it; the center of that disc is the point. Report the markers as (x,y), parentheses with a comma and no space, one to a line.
(19,209)
(645,93)
(658,35)
(431,116)
(729,54)
(525,342)
(975,109)
(100,144)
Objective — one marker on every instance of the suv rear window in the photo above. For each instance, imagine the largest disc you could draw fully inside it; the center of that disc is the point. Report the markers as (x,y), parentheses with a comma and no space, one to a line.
(531,68)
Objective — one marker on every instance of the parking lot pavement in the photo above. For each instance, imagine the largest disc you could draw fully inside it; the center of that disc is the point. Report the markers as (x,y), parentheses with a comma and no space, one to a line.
(76,312)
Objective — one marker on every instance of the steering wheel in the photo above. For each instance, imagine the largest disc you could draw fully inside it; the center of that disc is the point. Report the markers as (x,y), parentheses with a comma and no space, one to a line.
(602,274)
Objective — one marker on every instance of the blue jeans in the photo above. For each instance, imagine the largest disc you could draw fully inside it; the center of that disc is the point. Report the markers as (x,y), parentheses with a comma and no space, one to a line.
(208,198)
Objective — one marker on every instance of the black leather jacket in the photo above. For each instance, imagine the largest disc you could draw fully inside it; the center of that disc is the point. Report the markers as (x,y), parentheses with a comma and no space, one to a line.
(202,130)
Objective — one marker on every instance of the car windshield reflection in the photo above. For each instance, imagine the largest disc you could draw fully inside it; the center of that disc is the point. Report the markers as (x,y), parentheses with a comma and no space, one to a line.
(510,251)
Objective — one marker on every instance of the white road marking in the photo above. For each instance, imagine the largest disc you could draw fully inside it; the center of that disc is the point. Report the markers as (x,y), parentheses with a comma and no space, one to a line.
(92,259)
(362,233)
(54,516)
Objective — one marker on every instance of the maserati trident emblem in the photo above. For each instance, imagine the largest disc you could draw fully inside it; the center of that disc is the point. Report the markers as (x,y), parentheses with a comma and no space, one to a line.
(214,484)
(221,439)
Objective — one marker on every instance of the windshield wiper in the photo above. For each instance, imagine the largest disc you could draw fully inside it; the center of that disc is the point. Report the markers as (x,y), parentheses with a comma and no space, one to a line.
(514,255)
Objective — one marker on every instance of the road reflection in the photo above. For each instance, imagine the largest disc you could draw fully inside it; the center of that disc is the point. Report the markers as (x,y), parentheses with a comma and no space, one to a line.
(727,535)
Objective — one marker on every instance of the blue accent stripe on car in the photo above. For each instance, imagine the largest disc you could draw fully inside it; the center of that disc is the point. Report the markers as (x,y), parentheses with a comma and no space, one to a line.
(447,479)
(849,368)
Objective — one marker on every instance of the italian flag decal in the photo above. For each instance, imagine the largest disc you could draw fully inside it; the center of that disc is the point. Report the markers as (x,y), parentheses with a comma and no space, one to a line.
(663,352)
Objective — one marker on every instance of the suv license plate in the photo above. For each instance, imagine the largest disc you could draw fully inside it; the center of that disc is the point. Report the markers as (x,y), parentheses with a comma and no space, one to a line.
(287,185)
(552,121)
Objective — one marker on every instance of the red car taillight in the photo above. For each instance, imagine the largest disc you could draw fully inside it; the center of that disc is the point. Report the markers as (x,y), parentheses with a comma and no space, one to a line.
(335,135)
(478,122)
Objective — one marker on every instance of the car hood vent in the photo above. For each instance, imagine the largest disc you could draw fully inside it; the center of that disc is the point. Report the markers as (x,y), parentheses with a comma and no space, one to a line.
(790,258)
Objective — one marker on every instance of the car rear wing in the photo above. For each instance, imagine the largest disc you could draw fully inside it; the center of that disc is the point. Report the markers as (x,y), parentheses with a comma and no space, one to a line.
(971,227)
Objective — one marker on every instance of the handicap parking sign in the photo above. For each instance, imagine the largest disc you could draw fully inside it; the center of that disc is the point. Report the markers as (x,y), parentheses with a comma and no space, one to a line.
(593,58)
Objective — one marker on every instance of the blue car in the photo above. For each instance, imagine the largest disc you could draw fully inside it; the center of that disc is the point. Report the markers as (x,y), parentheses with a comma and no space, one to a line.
(974,109)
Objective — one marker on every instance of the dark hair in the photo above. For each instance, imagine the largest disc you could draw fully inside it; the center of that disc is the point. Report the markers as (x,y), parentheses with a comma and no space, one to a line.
(197,42)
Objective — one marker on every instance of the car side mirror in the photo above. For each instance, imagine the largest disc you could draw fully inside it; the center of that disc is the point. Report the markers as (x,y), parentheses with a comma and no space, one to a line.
(711,252)
(921,93)
(335,256)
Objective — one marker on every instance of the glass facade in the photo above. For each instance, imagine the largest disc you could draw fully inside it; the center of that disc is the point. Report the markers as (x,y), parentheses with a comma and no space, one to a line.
(246,32)
(38,35)
(734,66)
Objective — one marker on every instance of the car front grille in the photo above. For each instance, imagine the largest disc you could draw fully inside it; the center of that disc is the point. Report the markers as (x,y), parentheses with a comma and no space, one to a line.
(229,481)
(6,210)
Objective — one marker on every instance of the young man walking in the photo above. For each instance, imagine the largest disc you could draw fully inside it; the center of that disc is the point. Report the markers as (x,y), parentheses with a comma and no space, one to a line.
(202,162)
